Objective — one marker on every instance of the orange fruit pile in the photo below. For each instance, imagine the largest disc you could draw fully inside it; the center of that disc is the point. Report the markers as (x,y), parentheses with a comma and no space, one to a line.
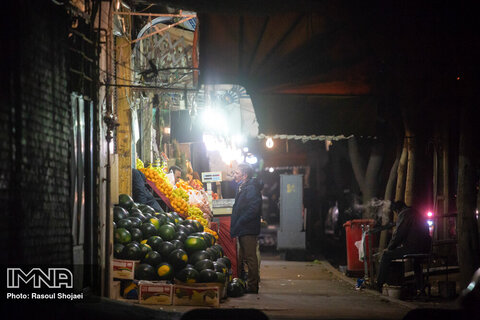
(179,205)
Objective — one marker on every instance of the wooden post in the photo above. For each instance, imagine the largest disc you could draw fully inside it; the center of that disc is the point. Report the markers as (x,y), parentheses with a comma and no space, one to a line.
(146,133)
(124,135)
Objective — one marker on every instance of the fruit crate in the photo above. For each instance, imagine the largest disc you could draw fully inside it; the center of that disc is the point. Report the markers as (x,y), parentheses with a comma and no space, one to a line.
(124,269)
(198,294)
(155,292)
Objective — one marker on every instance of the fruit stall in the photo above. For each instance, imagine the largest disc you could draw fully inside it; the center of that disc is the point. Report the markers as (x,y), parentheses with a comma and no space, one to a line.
(170,257)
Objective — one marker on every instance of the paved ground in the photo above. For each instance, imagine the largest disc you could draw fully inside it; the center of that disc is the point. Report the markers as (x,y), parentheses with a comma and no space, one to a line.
(311,290)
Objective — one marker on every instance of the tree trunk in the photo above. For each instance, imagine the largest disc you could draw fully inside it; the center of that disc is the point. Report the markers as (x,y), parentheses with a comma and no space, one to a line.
(402,166)
(357,162)
(410,179)
(467,229)
(388,196)
(367,179)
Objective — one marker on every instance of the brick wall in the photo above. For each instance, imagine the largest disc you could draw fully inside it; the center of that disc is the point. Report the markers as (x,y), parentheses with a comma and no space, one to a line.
(35,138)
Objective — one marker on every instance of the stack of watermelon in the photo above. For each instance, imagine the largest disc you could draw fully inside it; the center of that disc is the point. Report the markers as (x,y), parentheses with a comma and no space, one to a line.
(167,246)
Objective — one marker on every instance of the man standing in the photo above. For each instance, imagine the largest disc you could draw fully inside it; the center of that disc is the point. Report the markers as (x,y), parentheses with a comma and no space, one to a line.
(245,222)
(410,236)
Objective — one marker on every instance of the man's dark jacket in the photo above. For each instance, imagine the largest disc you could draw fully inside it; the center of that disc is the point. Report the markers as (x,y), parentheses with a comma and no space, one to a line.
(140,192)
(412,232)
(247,209)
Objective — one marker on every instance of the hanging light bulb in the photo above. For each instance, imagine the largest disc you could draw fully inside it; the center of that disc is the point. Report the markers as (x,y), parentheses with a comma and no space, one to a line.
(269,143)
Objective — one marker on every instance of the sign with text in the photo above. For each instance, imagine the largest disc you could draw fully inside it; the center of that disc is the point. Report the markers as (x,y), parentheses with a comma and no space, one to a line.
(211,177)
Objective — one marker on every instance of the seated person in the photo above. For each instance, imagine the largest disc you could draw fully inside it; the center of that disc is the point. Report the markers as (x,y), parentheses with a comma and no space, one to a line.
(140,193)
(410,236)
(177,172)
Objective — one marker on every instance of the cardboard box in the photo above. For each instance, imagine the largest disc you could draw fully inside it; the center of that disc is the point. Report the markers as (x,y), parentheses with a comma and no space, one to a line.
(197,294)
(155,292)
(124,269)
(115,290)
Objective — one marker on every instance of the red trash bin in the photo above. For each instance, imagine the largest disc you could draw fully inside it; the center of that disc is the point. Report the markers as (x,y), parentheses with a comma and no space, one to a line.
(353,233)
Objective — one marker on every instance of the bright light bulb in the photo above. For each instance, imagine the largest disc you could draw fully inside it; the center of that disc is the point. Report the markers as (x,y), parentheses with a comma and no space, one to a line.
(269,143)
(429,214)
(271,170)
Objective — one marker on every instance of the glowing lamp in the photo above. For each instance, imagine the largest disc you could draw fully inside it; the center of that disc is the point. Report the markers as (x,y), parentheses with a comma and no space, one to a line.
(429,214)
(269,143)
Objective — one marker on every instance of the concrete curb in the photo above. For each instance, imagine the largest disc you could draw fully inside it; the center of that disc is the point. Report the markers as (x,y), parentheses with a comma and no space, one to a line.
(353,282)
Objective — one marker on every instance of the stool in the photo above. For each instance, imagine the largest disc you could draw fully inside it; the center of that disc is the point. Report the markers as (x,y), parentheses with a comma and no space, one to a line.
(421,280)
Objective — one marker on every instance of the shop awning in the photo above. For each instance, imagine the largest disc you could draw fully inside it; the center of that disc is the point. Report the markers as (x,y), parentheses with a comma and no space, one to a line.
(306,72)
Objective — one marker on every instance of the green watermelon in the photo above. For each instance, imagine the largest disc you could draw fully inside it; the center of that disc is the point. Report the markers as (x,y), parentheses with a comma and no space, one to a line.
(178,258)
(134,211)
(154,242)
(152,258)
(122,236)
(170,217)
(136,222)
(204,264)
(145,271)
(191,229)
(155,222)
(226,261)
(221,277)
(219,249)
(137,235)
(177,244)
(241,282)
(220,267)
(125,201)
(181,236)
(207,275)
(194,243)
(162,219)
(124,223)
(146,208)
(148,230)
(139,215)
(234,289)
(182,228)
(132,251)
(213,253)
(172,225)
(117,250)
(165,248)
(197,256)
(164,271)
(119,213)
(145,248)
(167,232)
(197,224)
(188,275)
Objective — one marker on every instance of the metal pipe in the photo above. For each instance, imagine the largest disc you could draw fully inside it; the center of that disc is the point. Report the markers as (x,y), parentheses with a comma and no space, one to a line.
(155,14)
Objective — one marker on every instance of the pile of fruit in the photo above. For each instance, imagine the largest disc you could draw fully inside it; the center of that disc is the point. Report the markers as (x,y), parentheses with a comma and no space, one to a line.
(169,247)
(183,185)
(178,195)
(196,184)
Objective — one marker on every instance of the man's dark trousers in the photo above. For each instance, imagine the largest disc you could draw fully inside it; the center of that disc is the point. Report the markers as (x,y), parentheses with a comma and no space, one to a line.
(386,260)
(248,253)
